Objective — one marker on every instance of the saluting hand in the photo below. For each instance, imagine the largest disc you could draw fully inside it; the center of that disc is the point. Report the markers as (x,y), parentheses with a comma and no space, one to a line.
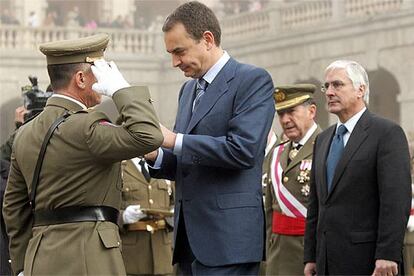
(108,76)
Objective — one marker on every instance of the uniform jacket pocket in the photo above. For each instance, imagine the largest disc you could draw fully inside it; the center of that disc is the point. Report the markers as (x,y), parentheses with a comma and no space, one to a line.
(109,237)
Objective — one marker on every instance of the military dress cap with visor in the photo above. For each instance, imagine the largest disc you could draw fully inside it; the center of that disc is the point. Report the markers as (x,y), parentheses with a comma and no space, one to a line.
(287,96)
(86,49)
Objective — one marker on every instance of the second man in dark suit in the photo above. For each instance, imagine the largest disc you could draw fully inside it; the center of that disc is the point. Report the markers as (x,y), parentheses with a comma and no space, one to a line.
(360,184)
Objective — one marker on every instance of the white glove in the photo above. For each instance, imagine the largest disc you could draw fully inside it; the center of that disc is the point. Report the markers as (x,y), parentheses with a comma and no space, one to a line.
(410,225)
(20,274)
(133,214)
(109,78)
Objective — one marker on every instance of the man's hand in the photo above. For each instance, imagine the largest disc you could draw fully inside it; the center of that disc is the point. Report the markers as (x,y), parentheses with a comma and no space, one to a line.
(109,78)
(132,214)
(385,268)
(19,114)
(152,156)
(310,269)
(169,137)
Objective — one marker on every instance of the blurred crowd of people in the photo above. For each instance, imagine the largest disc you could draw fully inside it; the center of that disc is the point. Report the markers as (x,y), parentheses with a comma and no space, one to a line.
(74,18)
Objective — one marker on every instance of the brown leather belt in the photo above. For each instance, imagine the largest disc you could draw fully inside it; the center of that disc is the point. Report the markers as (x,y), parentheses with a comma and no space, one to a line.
(148,225)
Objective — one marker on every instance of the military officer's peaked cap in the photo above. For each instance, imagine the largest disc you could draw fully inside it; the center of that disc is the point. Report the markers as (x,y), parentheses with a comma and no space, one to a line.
(287,96)
(85,49)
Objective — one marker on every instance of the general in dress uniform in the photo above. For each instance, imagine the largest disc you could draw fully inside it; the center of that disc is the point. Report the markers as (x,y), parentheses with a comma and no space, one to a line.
(146,208)
(64,190)
(288,180)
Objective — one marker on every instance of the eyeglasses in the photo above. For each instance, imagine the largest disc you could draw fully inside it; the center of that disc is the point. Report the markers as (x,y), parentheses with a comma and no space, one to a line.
(336,85)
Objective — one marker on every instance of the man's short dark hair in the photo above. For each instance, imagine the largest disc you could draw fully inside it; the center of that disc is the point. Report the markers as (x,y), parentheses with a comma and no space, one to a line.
(196,18)
(61,74)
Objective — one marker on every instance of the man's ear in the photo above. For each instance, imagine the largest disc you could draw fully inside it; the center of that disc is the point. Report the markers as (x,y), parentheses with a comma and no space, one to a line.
(361,91)
(209,39)
(312,110)
(80,79)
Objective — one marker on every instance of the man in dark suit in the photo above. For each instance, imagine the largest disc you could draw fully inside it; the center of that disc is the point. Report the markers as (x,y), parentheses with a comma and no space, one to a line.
(216,151)
(360,186)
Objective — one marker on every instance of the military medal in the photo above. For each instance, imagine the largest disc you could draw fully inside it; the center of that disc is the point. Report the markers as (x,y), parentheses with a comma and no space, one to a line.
(304,176)
(293,153)
(305,189)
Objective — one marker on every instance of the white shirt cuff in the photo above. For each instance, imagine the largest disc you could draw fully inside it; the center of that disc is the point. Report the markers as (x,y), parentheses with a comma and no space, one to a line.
(158,161)
(178,144)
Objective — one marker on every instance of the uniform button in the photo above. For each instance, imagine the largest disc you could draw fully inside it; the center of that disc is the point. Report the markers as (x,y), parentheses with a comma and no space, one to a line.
(149,187)
(285,179)
(9,261)
(127,189)
(151,201)
(118,243)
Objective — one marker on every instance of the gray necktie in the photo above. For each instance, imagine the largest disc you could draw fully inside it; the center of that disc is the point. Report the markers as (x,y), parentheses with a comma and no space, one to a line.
(335,153)
(200,90)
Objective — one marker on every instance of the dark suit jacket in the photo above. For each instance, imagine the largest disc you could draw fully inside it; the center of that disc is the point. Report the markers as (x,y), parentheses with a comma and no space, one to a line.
(218,176)
(364,216)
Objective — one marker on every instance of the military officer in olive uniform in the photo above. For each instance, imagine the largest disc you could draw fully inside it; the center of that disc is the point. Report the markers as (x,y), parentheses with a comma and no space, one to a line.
(288,180)
(62,216)
(146,236)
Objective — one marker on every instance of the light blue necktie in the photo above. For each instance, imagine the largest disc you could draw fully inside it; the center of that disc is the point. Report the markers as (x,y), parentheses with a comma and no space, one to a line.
(335,152)
(200,90)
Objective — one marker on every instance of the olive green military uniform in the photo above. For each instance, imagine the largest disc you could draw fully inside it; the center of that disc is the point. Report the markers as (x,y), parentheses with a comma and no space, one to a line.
(81,167)
(284,252)
(147,248)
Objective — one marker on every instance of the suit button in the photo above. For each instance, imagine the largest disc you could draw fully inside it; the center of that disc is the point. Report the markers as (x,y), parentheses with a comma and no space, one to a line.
(196,160)
(285,179)
(151,201)
(127,189)
(149,187)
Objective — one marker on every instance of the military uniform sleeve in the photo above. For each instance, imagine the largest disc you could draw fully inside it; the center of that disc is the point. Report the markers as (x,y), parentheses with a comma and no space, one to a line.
(139,133)
(17,216)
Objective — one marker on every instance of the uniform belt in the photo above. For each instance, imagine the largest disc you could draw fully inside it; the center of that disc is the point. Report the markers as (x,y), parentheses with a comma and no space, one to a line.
(75,214)
(284,225)
(148,225)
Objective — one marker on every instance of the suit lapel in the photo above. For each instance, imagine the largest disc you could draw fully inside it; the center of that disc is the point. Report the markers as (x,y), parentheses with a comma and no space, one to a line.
(189,91)
(284,156)
(325,145)
(358,136)
(214,91)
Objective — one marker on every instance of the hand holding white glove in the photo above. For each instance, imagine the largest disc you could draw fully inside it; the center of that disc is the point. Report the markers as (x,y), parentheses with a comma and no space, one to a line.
(109,78)
(410,225)
(133,214)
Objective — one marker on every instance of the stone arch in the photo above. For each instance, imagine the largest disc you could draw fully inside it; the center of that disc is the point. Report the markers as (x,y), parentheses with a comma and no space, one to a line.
(384,89)
(322,115)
